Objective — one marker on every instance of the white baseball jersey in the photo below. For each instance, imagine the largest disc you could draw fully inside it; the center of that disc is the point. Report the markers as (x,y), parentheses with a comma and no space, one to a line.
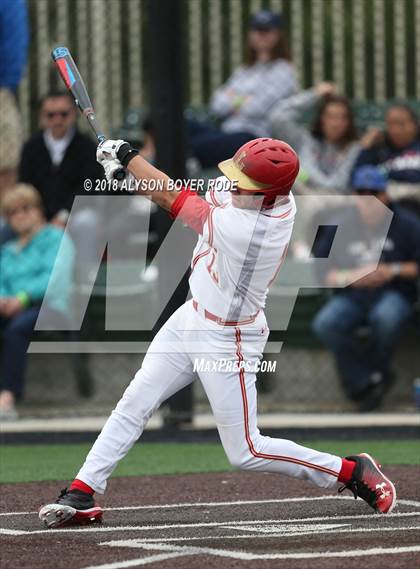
(238,254)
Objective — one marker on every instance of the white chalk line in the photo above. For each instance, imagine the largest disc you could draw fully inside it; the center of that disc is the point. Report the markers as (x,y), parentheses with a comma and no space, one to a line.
(106,529)
(244,556)
(172,551)
(141,561)
(205,504)
(6,531)
(402,502)
(139,542)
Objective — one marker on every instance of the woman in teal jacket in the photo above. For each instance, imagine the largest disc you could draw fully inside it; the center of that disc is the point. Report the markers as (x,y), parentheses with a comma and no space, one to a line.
(38,261)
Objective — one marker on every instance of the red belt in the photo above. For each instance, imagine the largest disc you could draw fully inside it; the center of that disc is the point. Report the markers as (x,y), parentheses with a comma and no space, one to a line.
(210,316)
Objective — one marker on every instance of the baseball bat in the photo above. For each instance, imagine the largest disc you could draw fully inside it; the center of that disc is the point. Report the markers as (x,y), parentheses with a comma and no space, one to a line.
(70,74)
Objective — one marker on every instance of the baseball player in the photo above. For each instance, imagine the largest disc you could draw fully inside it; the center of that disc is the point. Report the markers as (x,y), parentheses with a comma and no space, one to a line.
(242,240)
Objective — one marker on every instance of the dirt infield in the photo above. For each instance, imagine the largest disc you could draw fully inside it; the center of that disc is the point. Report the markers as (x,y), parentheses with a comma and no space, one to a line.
(228,520)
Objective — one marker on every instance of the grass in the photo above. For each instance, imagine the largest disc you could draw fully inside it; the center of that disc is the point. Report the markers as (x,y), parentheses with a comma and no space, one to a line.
(32,463)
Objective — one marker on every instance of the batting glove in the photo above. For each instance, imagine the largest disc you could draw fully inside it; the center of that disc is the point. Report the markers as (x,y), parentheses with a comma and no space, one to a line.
(119,177)
(111,167)
(117,150)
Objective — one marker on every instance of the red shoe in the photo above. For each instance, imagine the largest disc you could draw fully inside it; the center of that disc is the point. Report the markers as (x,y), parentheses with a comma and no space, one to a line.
(371,484)
(72,507)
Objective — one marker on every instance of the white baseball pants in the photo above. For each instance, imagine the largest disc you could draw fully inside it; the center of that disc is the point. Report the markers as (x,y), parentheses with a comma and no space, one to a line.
(169,366)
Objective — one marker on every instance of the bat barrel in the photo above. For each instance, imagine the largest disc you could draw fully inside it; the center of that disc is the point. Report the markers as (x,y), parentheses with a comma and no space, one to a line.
(74,83)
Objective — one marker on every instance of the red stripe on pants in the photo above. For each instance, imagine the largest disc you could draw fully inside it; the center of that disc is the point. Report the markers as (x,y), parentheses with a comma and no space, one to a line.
(246,423)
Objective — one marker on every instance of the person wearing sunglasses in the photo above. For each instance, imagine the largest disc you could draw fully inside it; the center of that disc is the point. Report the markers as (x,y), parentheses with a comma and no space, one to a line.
(27,264)
(380,296)
(57,160)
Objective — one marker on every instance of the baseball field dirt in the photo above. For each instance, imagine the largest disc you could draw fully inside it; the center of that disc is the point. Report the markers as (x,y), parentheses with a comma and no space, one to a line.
(223,520)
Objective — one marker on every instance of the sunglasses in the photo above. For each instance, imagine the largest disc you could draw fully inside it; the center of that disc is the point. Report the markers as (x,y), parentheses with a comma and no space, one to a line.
(62,114)
(22,208)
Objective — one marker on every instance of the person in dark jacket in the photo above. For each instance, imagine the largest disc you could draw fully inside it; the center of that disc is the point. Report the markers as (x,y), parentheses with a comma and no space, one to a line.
(56,161)
(383,299)
(397,150)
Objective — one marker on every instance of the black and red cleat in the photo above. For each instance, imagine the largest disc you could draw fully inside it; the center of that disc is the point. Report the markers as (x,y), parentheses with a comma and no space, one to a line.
(73,507)
(369,483)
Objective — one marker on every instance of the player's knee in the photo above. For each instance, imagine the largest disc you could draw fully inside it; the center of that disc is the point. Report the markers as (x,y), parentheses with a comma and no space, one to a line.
(240,458)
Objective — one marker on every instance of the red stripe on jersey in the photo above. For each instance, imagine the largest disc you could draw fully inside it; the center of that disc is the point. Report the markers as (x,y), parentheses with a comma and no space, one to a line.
(199,256)
(209,240)
(213,198)
(211,229)
(281,216)
(246,423)
(283,256)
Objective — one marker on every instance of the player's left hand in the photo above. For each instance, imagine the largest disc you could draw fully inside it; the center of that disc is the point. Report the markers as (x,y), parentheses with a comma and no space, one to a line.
(115,151)
(106,155)
(108,149)
(111,166)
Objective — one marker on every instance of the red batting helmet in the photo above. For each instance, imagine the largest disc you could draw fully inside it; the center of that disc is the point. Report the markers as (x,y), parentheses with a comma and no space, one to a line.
(264,165)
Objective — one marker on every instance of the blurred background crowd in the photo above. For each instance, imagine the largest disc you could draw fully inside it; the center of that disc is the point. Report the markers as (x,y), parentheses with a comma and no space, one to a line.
(339,81)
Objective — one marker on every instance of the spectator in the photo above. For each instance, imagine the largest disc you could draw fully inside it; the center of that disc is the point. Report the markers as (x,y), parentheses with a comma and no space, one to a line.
(5,232)
(397,151)
(327,153)
(13,49)
(57,160)
(383,299)
(243,102)
(328,150)
(26,266)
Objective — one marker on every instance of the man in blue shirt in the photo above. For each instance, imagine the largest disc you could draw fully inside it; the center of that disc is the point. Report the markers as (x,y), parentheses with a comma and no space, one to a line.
(383,299)
(14,37)
(26,265)
(13,53)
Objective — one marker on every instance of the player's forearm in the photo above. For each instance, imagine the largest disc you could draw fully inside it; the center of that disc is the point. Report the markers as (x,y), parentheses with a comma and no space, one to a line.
(143,170)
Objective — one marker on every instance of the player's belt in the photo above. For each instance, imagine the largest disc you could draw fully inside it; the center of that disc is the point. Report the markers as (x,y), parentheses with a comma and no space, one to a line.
(214,318)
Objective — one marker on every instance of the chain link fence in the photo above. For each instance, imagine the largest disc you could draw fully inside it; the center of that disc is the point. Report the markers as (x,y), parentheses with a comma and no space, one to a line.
(370,48)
